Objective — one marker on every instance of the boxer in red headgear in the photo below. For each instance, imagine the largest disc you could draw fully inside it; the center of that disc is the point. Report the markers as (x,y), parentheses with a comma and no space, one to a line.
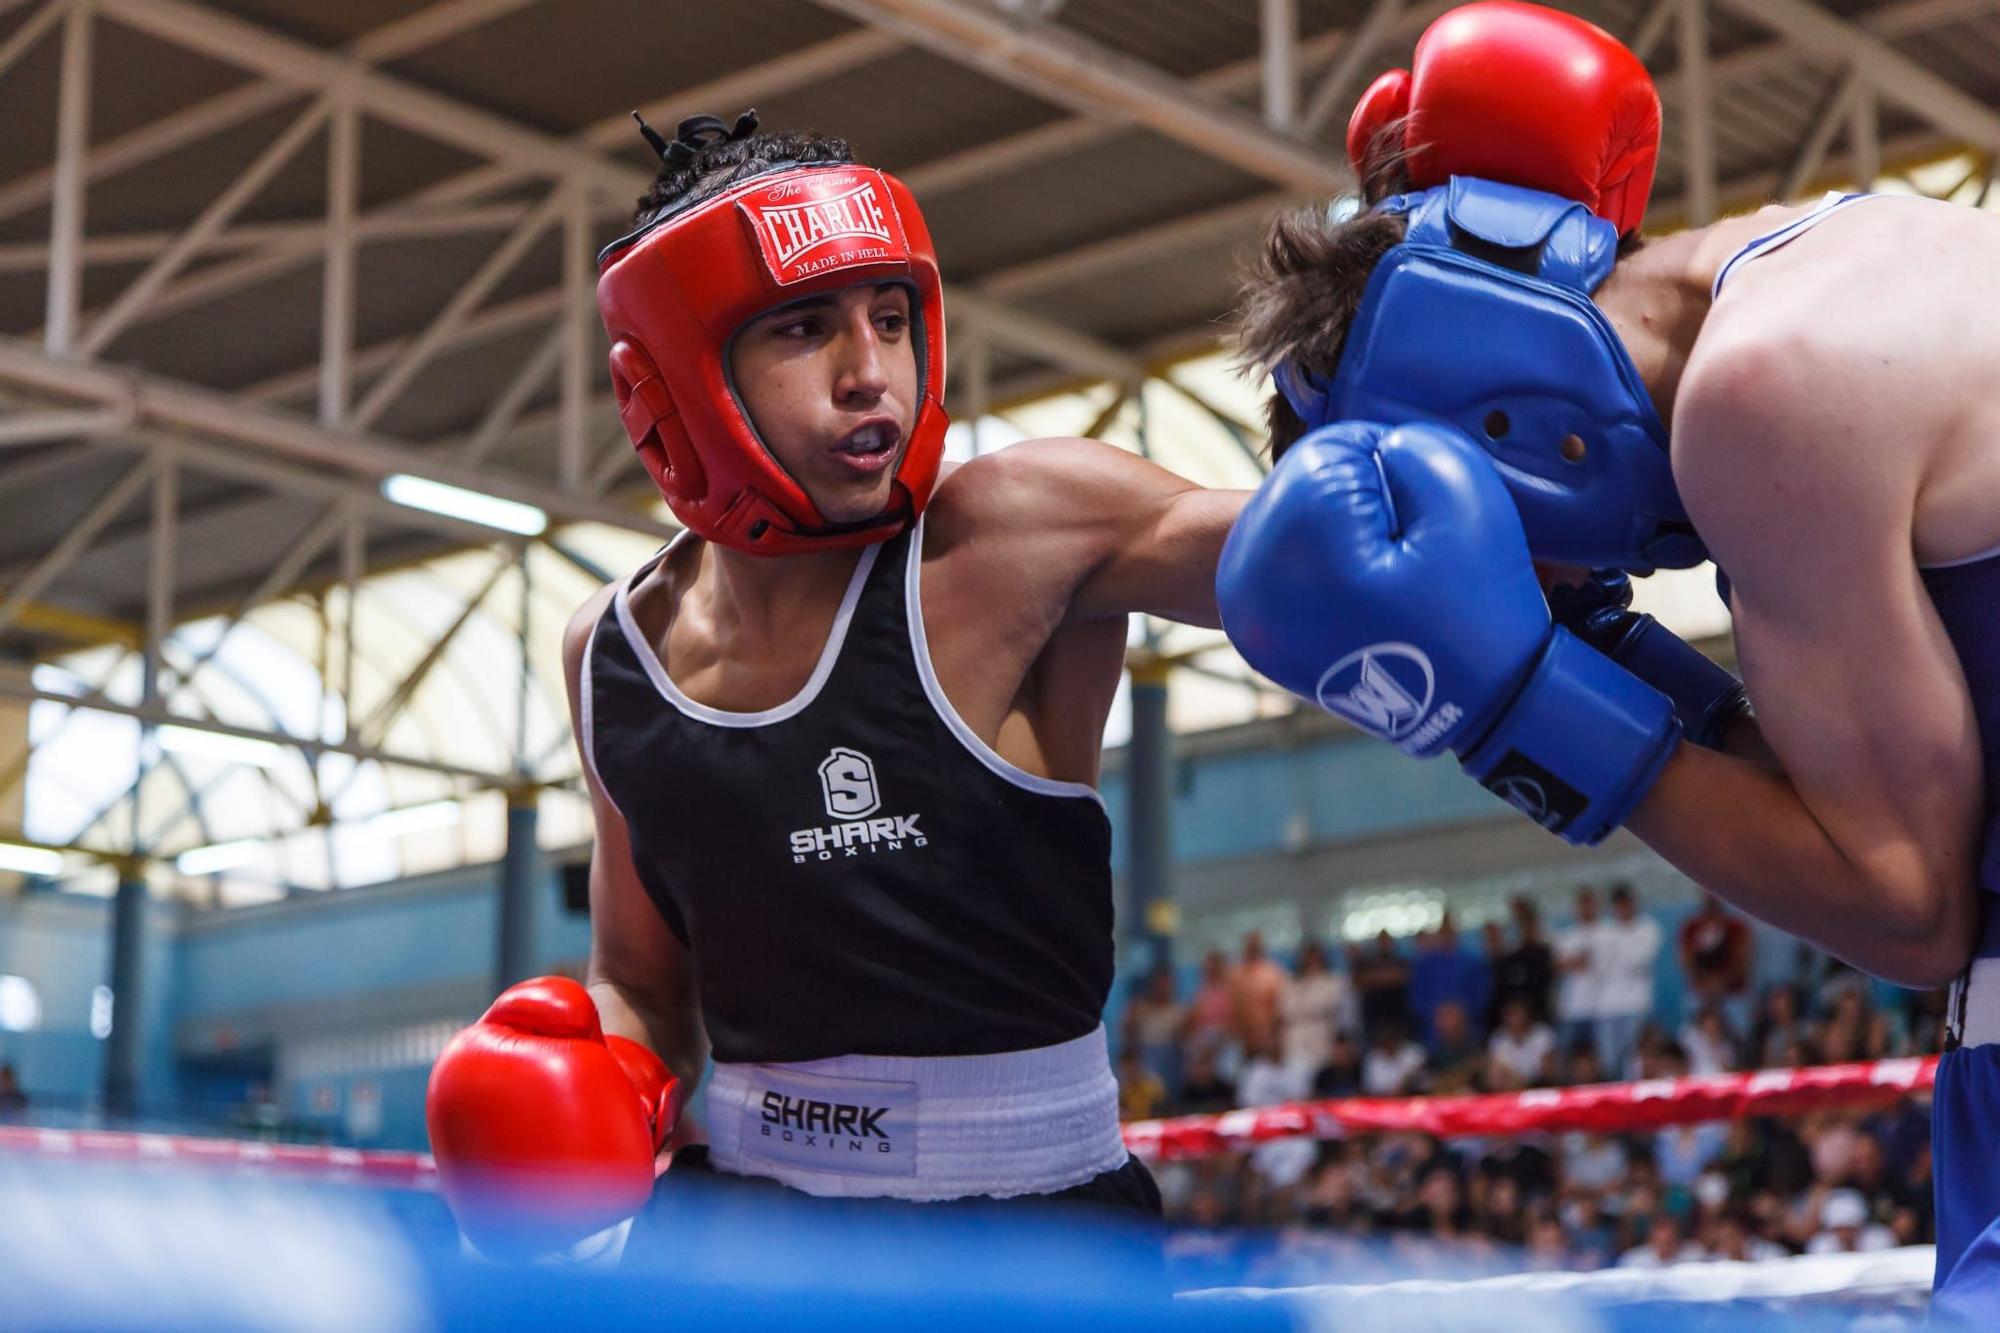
(679,291)
(1824,374)
(841,741)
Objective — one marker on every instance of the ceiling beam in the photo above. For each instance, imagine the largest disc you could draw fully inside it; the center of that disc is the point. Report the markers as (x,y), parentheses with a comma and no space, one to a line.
(1163,241)
(387,224)
(160,715)
(445,119)
(1070,70)
(982,162)
(168,402)
(429,26)
(225,110)
(780,74)
(497,321)
(1813,31)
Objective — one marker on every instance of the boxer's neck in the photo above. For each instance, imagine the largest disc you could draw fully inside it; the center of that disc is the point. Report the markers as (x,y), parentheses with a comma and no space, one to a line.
(1656,299)
(753,599)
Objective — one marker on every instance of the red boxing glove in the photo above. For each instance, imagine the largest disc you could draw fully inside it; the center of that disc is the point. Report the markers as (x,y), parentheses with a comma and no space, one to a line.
(655,1084)
(539,1137)
(1523,95)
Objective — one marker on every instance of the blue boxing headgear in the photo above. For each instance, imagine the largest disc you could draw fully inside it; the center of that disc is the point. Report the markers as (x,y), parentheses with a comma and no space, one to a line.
(1482,319)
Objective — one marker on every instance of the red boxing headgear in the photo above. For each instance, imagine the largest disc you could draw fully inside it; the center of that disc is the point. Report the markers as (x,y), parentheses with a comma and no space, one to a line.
(675,293)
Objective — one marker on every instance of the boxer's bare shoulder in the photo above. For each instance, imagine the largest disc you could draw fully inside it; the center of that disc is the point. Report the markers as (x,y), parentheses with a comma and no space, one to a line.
(1864,330)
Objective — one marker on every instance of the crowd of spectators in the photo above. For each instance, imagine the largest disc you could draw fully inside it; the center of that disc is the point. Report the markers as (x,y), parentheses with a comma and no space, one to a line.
(1521,1008)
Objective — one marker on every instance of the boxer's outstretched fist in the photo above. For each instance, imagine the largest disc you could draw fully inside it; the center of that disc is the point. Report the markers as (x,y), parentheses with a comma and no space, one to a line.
(1383,573)
(545,1131)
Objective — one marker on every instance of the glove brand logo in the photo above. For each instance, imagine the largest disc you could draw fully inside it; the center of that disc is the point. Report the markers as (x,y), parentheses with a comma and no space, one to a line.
(1384,689)
(1535,791)
(847,780)
(1525,795)
(850,793)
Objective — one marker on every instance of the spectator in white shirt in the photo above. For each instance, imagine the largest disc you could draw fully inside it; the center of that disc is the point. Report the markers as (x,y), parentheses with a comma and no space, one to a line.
(1316,1004)
(1664,1247)
(1394,1064)
(1269,1081)
(1622,961)
(1576,984)
(1845,1228)
(1710,1045)
(1521,1052)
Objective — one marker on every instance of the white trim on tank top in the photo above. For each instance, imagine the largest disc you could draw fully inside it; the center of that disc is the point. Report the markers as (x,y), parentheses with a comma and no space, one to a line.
(587,718)
(1833,201)
(656,670)
(920,650)
(1963,560)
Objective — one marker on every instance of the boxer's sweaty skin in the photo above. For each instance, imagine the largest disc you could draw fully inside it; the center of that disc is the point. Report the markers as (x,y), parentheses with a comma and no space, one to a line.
(1033,557)
(1833,426)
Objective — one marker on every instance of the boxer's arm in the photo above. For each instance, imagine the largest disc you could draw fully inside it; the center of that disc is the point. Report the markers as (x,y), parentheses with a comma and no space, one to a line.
(1138,537)
(639,974)
(1863,838)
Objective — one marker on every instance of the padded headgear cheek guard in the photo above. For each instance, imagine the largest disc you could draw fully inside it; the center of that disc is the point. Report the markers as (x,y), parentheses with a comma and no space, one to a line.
(673,296)
(1482,319)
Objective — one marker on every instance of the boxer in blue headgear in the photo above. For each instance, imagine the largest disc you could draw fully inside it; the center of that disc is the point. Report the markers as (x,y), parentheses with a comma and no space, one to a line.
(1494,281)
(1827,375)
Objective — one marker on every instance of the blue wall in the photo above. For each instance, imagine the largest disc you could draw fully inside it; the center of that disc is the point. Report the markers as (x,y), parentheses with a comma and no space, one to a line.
(62,946)
(1235,804)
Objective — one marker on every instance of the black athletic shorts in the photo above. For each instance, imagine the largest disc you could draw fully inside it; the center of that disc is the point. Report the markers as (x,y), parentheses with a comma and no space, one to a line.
(1129,1189)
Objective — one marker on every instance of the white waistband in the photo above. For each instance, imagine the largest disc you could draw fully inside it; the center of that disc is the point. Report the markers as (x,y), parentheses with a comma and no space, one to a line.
(1973,1015)
(921,1127)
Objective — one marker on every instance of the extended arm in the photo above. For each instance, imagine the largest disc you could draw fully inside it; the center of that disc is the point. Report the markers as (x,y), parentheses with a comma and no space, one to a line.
(1146,539)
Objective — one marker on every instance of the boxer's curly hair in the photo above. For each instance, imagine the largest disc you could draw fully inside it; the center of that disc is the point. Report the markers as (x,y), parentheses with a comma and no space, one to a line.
(714,167)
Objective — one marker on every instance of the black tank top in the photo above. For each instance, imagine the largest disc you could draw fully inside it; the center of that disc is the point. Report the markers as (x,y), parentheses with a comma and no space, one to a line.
(854,872)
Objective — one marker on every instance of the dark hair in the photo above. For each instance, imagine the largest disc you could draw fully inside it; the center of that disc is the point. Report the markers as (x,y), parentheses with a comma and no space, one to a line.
(717,166)
(1299,294)
(1301,290)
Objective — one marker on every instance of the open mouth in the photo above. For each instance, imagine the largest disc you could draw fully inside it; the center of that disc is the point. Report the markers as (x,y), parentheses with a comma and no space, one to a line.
(871,444)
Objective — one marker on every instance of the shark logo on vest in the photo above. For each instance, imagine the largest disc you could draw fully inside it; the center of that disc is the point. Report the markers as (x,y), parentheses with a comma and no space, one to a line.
(851,795)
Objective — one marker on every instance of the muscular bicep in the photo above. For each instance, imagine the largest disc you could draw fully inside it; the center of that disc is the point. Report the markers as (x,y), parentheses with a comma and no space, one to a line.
(1153,538)
(1165,563)
(1113,532)
(1857,689)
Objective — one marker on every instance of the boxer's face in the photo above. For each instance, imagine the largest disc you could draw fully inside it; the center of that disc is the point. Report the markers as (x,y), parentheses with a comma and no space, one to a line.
(830,384)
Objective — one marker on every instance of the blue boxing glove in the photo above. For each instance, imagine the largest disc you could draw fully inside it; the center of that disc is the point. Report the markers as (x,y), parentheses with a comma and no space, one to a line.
(1383,573)
(1706,697)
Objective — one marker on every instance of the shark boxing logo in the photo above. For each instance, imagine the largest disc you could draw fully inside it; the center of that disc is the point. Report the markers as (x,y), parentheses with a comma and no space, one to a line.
(1386,690)
(802,235)
(847,781)
(851,795)
(853,1126)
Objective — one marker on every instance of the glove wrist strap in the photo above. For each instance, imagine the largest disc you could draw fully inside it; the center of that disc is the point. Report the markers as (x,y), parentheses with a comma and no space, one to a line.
(1581,744)
(1706,696)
